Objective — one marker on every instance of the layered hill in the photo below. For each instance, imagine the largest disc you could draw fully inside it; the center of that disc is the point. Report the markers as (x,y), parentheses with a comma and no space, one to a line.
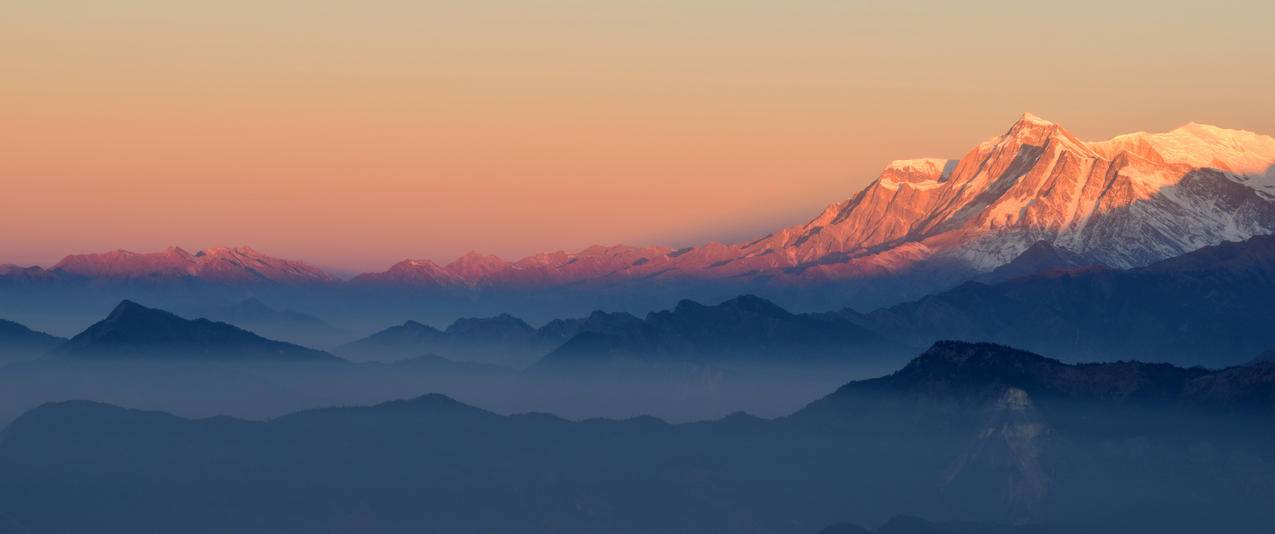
(1210,306)
(135,332)
(19,342)
(285,325)
(979,374)
(745,329)
(503,339)
(965,432)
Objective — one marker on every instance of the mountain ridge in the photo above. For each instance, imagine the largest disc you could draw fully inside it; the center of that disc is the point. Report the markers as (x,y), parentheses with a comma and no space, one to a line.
(17,341)
(1204,307)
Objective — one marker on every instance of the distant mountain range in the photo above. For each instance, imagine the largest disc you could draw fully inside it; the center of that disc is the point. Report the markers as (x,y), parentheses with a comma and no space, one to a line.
(224,264)
(1210,307)
(503,339)
(284,325)
(1207,307)
(18,342)
(923,225)
(135,332)
(965,432)
(742,330)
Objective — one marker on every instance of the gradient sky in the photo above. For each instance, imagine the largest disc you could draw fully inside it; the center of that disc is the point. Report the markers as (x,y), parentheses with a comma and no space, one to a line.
(355,134)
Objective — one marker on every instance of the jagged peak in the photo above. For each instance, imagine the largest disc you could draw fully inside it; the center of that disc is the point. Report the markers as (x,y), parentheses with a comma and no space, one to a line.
(128,311)
(174,250)
(126,306)
(415,264)
(412,324)
(241,250)
(1030,129)
(918,173)
(1029,125)
(917,164)
(1031,118)
(475,264)
(474,255)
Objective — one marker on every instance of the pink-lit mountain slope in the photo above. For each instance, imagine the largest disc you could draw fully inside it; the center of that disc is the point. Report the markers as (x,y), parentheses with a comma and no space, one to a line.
(1125,202)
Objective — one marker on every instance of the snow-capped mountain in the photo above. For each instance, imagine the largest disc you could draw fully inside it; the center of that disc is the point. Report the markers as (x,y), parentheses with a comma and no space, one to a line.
(1124,202)
(220,264)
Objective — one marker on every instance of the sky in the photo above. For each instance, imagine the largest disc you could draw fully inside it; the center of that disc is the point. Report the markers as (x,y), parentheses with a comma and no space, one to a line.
(357,134)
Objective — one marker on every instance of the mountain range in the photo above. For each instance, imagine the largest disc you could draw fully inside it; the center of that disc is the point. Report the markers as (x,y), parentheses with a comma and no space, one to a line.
(965,432)
(745,330)
(503,339)
(221,264)
(1207,307)
(284,325)
(741,330)
(135,332)
(19,342)
(923,225)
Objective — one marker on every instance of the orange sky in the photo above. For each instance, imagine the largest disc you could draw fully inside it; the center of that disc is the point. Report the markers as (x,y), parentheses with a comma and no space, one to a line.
(355,134)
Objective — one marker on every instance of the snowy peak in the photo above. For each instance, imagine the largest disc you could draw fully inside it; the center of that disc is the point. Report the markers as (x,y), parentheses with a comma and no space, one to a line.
(221,264)
(474,265)
(1249,157)
(173,261)
(923,173)
(409,273)
(247,265)
(1030,129)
